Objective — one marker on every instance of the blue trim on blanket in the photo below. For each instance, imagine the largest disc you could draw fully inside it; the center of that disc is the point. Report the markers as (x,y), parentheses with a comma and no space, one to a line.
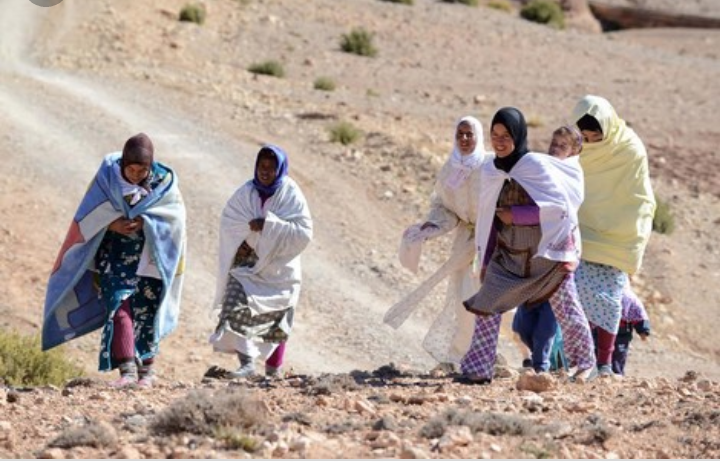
(72,306)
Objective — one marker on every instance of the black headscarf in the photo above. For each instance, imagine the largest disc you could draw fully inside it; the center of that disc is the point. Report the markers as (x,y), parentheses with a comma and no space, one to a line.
(514,122)
(589,123)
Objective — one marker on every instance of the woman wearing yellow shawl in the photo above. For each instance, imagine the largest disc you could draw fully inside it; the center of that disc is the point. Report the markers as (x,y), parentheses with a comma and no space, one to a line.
(615,217)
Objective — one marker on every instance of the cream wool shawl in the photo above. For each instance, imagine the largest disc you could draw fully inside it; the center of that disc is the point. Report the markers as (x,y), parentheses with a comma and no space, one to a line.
(274,282)
(555,185)
(616,216)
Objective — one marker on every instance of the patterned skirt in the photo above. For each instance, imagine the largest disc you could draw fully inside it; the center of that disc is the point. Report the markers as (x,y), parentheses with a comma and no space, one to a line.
(236,317)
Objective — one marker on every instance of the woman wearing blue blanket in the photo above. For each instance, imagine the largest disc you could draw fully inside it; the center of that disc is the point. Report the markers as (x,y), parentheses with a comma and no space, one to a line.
(121,265)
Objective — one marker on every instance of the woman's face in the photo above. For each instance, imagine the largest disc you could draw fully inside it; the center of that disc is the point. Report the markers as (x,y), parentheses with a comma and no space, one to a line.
(501,140)
(136,172)
(592,136)
(266,168)
(465,138)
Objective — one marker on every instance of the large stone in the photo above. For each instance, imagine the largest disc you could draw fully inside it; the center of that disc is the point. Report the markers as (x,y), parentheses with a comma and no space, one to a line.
(536,382)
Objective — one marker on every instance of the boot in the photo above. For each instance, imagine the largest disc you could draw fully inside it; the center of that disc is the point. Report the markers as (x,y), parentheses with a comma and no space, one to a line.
(246,369)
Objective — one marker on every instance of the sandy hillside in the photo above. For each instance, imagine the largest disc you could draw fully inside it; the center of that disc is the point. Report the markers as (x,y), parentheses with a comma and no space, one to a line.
(77,79)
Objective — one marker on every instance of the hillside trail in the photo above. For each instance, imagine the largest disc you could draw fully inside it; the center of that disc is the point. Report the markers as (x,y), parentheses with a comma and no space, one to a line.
(58,125)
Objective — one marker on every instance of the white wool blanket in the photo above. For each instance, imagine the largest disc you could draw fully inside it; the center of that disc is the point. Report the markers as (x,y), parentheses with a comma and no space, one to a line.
(273,283)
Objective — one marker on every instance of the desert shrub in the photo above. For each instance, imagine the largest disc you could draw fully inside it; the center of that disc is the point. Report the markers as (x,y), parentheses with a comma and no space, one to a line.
(193,12)
(237,440)
(95,434)
(495,424)
(544,12)
(663,221)
(344,132)
(535,121)
(23,363)
(359,42)
(202,413)
(324,83)
(502,5)
(268,68)
(464,2)
(404,2)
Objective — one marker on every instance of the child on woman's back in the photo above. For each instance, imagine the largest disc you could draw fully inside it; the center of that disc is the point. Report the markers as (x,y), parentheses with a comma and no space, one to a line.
(536,326)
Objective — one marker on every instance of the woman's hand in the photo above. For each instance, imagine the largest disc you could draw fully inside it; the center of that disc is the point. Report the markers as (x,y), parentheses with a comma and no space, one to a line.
(257,224)
(125,226)
(505,215)
(569,267)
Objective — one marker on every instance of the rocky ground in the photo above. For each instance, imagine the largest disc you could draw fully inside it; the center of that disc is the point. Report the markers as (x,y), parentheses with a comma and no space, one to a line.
(76,80)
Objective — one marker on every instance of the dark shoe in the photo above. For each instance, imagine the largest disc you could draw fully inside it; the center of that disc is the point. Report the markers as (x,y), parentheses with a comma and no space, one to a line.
(527,363)
(472,380)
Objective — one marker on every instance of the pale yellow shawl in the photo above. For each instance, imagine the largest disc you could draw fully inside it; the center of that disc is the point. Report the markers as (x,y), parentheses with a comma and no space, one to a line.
(616,216)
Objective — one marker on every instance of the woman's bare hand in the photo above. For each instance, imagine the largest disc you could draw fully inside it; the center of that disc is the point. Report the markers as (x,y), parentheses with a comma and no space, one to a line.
(126,226)
(505,215)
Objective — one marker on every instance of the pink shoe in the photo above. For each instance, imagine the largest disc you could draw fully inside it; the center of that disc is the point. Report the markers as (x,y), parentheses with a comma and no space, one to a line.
(146,382)
(123,382)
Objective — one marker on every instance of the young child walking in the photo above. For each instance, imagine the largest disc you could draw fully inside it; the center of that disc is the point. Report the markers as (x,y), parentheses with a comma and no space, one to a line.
(634,317)
(536,325)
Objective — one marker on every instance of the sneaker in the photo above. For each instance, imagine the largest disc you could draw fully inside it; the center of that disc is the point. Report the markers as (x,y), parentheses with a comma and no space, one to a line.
(245,371)
(584,375)
(605,371)
(147,377)
(273,372)
(128,375)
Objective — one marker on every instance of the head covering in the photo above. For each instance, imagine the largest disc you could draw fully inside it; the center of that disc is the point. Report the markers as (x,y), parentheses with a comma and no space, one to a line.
(588,123)
(616,215)
(462,165)
(281,170)
(138,150)
(514,122)
(476,157)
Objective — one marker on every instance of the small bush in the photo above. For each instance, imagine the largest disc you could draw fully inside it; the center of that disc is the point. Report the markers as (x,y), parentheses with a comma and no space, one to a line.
(344,132)
(502,5)
(268,68)
(663,221)
(544,12)
(464,2)
(202,413)
(95,434)
(359,42)
(404,2)
(535,121)
(23,363)
(495,424)
(193,12)
(324,83)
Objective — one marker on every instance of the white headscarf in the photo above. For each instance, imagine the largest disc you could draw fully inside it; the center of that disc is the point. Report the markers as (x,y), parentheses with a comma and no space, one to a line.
(463,165)
(137,192)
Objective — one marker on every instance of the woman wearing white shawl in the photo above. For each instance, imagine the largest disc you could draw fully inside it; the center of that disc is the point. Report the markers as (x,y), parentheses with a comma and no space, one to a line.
(530,262)
(453,207)
(615,219)
(264,227)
